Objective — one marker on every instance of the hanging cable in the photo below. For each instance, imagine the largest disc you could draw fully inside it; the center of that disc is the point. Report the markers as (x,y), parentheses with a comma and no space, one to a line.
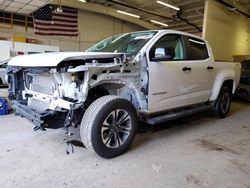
(140,9)
(179,13)
(156,14)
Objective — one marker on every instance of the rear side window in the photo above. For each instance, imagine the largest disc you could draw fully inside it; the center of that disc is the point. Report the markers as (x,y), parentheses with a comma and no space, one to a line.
(197,49)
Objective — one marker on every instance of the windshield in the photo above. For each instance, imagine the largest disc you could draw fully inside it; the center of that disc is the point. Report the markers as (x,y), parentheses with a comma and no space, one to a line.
(125,43)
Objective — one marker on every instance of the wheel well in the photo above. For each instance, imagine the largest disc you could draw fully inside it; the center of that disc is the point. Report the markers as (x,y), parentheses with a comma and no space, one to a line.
(95,93)
(99,91)
(229,84)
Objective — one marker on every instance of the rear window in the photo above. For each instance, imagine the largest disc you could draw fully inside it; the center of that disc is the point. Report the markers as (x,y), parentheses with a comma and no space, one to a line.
(197,49)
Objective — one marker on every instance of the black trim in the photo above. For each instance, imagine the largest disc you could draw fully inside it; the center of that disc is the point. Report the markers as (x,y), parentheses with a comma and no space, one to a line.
(179,13)
(38,119)
(160,117)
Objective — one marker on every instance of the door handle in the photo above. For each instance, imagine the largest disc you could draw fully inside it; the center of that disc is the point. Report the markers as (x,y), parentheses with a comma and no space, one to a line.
(210,68)
(186,69)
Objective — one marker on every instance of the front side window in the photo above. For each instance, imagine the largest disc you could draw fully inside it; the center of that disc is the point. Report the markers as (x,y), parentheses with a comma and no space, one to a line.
(168,48)
(197,49)
(127,43)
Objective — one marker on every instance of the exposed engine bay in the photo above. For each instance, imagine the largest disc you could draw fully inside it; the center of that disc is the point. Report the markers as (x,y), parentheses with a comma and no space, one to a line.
(73,84)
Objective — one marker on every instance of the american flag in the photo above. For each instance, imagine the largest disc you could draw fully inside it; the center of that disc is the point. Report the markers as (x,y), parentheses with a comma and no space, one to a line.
(49,22)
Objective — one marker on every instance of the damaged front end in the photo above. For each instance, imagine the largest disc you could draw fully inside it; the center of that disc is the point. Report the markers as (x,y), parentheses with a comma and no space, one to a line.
(57,96)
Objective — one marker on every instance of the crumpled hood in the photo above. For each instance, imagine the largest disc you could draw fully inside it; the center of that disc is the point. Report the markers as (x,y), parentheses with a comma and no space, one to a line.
(53,59)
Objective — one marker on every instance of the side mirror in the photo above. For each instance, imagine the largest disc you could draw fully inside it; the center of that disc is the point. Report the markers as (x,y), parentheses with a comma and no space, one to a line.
(161,54)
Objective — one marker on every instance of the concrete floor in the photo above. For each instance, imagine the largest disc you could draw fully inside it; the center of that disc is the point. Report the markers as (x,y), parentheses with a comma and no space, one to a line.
(198,151)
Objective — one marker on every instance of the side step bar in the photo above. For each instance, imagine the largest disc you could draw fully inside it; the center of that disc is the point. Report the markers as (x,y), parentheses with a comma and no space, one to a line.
(170,116)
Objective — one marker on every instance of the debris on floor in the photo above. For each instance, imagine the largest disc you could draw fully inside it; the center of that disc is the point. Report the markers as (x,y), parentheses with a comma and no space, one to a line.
(216,147)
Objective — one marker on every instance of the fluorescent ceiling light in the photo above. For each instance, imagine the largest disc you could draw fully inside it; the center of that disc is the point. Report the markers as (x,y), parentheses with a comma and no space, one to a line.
(129,14)
(83,1)
(168,5)
(159,23)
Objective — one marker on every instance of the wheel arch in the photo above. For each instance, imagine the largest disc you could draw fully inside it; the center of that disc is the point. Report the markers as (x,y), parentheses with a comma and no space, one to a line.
(229,82)
(118,88)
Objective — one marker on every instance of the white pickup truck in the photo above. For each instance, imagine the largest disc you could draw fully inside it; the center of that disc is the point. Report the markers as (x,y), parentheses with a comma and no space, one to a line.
(152,76)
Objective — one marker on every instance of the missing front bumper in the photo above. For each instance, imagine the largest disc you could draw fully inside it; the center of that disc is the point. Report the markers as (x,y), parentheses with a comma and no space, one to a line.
(41,120)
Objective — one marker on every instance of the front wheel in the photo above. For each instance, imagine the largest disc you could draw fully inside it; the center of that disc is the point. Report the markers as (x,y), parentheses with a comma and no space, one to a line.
(223,103)
(109,126)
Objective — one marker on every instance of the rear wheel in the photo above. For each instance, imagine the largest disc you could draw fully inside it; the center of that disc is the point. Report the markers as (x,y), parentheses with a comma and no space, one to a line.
(109,126)
(223,102)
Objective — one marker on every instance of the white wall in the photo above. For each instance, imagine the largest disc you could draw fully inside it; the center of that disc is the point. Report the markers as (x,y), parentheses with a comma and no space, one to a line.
(10,49)
(4,52)
(92,28)
(95,27)
(227,32)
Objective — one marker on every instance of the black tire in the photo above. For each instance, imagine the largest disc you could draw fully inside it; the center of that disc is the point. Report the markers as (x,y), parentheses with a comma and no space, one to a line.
(1,81)
(223,103)
(101,136)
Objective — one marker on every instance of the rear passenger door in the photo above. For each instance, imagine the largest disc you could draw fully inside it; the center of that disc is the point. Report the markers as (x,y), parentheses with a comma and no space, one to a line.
(180,72)
(202,65)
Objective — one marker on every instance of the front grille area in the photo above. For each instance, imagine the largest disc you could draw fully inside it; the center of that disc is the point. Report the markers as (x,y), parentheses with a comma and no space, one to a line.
(41,84)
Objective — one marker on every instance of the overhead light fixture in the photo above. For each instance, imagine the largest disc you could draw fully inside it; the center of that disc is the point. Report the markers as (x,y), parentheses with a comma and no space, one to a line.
(168,5)
(159,23)
(83,1)
(128,14)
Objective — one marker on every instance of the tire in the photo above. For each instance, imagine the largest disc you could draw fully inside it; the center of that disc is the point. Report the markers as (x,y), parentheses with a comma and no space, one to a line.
(1,81)
(109,126)
(223,103)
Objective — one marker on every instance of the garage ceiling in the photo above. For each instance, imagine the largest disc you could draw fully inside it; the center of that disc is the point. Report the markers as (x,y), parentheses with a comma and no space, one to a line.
(22,6)
(189,19)
(192,12)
